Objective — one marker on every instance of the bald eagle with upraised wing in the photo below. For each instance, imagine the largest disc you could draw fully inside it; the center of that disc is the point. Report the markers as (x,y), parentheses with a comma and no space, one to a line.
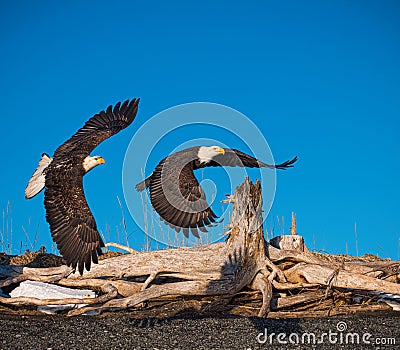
(177,196)
(72,224)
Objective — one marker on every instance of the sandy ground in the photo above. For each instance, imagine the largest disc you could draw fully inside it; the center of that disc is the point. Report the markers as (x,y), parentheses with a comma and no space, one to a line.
(122,331)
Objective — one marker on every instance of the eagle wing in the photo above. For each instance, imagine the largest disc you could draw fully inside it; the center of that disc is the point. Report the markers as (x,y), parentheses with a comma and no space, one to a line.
(99,128)
(72,224)
(233,157)
(178,198)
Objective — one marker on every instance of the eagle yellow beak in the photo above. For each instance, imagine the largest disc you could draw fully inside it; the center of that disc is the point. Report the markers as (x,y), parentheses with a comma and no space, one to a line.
(101,160)
(221,150)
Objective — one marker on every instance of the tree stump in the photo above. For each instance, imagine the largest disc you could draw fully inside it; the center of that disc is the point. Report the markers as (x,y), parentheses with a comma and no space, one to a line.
(288,242)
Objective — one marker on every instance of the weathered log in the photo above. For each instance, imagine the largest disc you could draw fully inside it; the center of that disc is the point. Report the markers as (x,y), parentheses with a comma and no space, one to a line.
(341,278)
(217,269)
(304,298)
(244,261)
(110,293)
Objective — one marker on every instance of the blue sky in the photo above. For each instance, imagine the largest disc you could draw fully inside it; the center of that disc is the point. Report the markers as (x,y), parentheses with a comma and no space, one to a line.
(321,80)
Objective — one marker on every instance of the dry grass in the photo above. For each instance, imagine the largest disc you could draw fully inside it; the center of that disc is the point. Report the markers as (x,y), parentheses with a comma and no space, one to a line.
(6,232)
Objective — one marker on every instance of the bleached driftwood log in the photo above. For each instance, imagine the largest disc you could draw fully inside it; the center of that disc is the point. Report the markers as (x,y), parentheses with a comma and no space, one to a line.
(223,269)
(216,269)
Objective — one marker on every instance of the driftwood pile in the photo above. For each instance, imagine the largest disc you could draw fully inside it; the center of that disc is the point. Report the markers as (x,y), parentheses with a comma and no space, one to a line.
(243,275)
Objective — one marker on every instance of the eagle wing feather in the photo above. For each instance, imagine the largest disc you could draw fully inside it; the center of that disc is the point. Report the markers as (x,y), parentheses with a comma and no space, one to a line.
(178,198)
(99,128)
(233,157)
(71,221)
(72,224)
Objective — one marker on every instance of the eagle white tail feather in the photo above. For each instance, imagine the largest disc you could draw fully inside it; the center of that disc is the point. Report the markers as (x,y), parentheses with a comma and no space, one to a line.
(37,181)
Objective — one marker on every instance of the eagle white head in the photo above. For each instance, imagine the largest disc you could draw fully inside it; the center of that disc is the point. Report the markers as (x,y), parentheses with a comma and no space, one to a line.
(90,162)
(206,154)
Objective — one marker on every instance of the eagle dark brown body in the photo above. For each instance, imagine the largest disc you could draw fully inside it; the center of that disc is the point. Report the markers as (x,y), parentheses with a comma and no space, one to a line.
(72,224)
(177,196)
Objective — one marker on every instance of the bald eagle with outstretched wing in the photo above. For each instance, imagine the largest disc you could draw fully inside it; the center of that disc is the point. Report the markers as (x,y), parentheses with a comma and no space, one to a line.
(72,224)
(177,196)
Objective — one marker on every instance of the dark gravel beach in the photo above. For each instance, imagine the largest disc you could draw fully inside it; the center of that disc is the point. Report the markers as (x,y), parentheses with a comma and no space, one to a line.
(122,331)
